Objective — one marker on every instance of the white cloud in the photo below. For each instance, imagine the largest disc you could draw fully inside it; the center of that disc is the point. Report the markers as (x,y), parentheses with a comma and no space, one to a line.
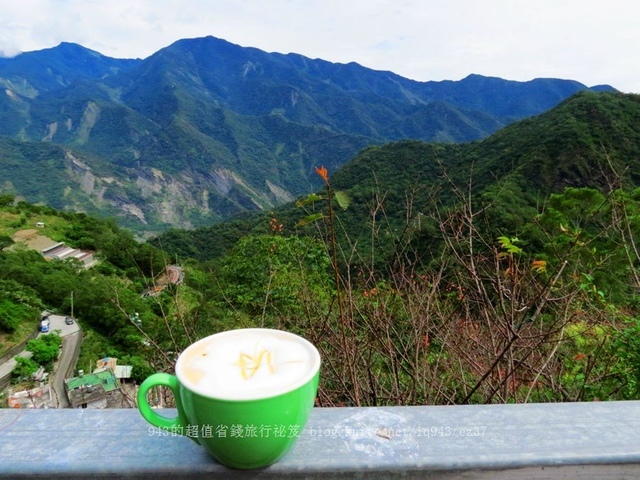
(582,40)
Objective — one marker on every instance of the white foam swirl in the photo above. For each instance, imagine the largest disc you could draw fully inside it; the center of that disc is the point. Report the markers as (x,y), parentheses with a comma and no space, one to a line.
(246,364)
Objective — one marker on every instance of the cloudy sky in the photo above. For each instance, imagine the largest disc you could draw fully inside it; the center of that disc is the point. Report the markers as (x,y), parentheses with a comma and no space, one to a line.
(591,41)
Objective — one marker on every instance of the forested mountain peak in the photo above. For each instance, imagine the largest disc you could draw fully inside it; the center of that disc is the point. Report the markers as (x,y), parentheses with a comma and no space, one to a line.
(31,73)
(204,129)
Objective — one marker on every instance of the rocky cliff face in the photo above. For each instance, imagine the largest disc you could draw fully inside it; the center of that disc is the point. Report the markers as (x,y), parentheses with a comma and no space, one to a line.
(153,197)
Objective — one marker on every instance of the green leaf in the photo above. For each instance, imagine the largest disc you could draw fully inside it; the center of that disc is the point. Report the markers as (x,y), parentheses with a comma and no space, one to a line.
(343,199)
(508,244)
(309,199)
(311,218)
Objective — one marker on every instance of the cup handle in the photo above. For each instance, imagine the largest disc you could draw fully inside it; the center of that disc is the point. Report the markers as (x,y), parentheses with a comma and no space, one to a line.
(176,424)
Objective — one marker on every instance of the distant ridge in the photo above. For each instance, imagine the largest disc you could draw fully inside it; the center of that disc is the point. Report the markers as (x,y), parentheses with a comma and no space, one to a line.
(204,129)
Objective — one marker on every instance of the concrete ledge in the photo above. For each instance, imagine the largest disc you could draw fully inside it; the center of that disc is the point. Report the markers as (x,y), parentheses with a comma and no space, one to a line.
(571,440)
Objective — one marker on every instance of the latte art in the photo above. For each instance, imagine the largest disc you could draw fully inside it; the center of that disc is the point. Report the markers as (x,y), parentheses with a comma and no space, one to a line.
(247,364)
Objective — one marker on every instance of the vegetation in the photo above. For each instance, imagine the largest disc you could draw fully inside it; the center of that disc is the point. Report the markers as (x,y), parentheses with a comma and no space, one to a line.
(45,349)
(584,142)
(103,297)
(25,368)
(458,278)
(462,276)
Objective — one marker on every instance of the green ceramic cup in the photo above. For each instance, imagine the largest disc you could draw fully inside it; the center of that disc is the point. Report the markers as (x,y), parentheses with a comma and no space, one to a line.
(249,429)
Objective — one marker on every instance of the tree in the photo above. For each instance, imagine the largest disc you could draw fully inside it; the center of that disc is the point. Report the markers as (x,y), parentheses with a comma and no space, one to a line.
(5,241)
(45,348)
(18,304)
(6,200)
(10,315)
(25,367)
(273,272)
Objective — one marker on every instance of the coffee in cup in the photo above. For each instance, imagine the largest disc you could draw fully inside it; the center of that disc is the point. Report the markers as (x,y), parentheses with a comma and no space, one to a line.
(245,395)
(246,364)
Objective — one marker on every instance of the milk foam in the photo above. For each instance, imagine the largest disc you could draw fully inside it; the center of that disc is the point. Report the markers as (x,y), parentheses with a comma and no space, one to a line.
(246,364)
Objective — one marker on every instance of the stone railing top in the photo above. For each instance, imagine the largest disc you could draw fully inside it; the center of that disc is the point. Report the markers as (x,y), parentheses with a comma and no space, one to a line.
(567,440)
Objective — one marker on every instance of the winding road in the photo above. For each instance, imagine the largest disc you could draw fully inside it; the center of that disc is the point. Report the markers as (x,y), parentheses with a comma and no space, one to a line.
(71,338)
(71,335)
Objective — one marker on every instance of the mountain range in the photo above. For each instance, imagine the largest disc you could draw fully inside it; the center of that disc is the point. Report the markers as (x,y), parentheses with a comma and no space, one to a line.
(203,129)
(591,140)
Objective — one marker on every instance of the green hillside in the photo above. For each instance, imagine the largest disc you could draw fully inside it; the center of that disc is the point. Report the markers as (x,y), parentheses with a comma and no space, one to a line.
(502,270)
(590,140)
(102,297)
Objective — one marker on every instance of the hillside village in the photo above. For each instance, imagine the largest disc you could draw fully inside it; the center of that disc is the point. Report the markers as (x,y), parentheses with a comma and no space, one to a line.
(108,384)
(35,239)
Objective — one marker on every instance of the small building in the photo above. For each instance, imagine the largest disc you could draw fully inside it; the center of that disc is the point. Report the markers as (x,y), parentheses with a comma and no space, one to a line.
(122,372)
(91,390)
(39,397)
(62,252)
(40,224)
(106,362)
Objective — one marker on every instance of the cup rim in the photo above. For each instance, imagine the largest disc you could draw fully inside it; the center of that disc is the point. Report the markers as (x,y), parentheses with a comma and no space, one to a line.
(315,365)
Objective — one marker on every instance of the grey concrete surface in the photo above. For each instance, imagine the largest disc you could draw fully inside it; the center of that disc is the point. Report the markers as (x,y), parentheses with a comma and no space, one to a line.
(531,441)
